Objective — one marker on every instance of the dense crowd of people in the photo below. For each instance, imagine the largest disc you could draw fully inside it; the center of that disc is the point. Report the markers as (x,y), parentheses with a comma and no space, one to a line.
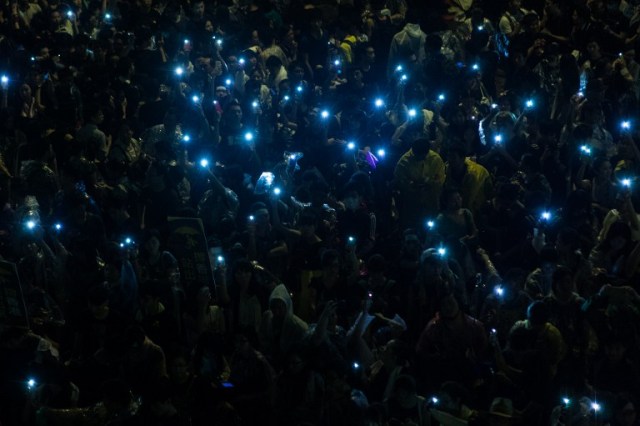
(354,212)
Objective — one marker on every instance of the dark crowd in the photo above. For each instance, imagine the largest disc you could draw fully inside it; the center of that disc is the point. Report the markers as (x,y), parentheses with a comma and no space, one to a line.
(319,212)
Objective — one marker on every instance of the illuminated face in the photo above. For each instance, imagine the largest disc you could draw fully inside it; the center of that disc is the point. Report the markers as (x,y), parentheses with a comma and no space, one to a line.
(198,9)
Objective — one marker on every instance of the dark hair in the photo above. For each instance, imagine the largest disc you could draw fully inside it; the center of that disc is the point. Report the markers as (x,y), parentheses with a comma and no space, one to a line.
(328,257)
(376,263)
(420,147)
(538,313)
(560,273)
(98,295)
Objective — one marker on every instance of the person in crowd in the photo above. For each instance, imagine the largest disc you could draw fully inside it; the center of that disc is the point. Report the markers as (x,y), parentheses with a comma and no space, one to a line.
(418,175)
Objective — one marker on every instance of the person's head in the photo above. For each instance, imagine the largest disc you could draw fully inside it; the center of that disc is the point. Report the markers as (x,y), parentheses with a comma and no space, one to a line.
(455,159)
(451,199)
(260,214)
(170,120)
(602,167)
(278,308)
(273,64)
(233,115)
(548,260)
(567,241)
(98,301)
(514,5)
(351,198)
(618,236)
(531,23)
(94,114)
(369,54)
(593,49)
(307,224)
(562,284)
(116,397)
(242,274)
(449,308)
(625,410)
(537,314)
(505,122)
(411,245)
(331,262)
(150,295)
(420,148)
(134,337)
(376,265)
(615,349)
(404,391)
(179,370)
(198,9)
(506,196)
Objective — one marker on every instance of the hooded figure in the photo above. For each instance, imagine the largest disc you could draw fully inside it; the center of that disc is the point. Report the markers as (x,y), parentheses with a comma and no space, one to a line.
(281,330)
(407,48)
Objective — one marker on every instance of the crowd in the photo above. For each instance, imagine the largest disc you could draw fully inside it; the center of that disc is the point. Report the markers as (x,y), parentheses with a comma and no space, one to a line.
(322,212)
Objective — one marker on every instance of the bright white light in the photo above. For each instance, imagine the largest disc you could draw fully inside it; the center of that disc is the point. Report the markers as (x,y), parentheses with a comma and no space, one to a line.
(434,399)
(430,224)
(381,153)
(336,62)
(412,112)
(626,182)
(546,215)
(356,365)
(494,106)
(399,68)
(352,240)
(58,226)
(299,89)
(286,98)
(248,136)
(404,77)
(351,145)
(475,67)
(107,16)
(241,61)
(195,99)
(69,14)
(179,71)
(277,191)
(442,251)
(31,224)
(228,82)
(204,163)
(324,114)
(31,383)
(529,103)
(441,97)
(566,401)
(499,290)
(379,103)
(186,138)
(498,138)
(254,104)
(186,41)
(219,42)
(626,124)
(596,407)
(480,27)
(4,79)
(252,218)
(585,149)
(127,240)
(220,259)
